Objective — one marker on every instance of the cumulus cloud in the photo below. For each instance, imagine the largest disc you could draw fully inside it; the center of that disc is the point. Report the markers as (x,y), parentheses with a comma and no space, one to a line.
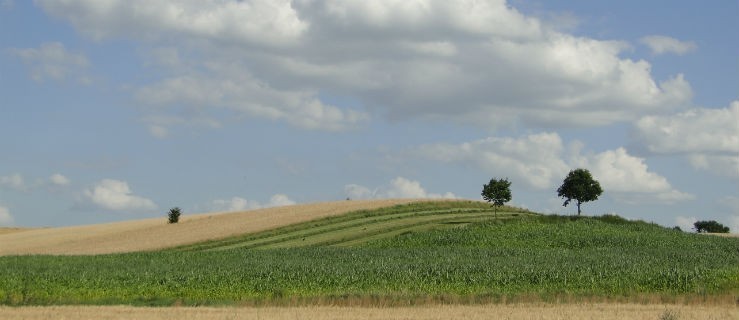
(664,44)
(14,181)
(5,218)
(241,204)
(709,138)
(52,61)
(629,177)
(265,22)
(534,159)
(480,62)
(115,195)
(59,180)
(541,161)
(242,94)
(398,188)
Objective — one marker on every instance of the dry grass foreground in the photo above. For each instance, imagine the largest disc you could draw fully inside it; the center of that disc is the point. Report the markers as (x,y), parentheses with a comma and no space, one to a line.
(515,311)
(153,234)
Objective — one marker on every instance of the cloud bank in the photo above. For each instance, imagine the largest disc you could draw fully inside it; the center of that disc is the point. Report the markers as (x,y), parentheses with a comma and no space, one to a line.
(541,161)
(474,62)
(709,138)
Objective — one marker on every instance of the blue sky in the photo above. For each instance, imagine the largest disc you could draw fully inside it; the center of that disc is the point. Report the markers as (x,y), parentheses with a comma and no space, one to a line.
(119,110)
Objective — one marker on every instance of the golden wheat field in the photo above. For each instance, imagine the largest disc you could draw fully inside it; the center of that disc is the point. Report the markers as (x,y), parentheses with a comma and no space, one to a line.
(153,234)
(515,311)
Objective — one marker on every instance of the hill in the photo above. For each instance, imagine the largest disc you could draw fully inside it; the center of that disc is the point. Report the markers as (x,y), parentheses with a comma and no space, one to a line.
(154,234)
(421,252)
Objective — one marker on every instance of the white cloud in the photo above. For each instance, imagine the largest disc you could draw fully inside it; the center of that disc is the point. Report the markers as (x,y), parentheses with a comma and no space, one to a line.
(52,61)
(685,223)
(115,195)
(263,22)
(14,181)
(240,93)
(629,177)
(664,44)
(59,180)
(541,161)
(399,188)
(723,165)
(6,219)
(693,131)
(241,204)
(708,137)
(480,62)
(535,160)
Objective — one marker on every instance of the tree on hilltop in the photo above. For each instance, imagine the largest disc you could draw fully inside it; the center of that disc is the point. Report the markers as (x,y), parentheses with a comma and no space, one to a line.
(579,185)
(497,192)
(174,215)
(710,226)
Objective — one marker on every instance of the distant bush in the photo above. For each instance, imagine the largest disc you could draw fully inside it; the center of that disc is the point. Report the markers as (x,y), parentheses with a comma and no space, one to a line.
(710,226)
(174,215)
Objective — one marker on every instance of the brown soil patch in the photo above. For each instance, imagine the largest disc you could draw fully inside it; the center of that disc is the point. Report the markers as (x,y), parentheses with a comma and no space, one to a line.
(515,311)
(153,234)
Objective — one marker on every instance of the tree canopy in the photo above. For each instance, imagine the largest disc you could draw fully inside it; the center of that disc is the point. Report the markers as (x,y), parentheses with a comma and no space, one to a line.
(579,185)
(497,192)
(710,226)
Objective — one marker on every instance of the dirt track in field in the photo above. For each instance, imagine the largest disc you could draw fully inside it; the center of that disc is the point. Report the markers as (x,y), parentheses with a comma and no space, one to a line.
(515,311)
(153,234)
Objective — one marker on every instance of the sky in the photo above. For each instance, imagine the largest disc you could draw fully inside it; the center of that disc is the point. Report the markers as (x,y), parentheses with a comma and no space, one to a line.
(119,110)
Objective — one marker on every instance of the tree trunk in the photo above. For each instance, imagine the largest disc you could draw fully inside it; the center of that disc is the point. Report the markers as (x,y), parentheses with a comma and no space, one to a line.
(578,208)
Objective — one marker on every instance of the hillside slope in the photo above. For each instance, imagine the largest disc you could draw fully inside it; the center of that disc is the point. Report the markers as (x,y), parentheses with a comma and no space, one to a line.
(154,234)
(360,227)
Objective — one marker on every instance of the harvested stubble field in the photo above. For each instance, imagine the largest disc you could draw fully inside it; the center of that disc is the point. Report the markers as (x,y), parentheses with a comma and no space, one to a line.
(440,312)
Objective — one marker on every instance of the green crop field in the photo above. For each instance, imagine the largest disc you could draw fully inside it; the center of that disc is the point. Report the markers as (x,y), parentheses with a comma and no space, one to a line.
(435,251)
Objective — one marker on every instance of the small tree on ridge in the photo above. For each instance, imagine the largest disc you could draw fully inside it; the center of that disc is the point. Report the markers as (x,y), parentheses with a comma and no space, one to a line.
(579,185)
(497,192)
(174,215)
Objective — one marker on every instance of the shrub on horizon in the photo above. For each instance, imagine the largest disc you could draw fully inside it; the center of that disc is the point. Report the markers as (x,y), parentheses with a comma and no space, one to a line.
(174,215)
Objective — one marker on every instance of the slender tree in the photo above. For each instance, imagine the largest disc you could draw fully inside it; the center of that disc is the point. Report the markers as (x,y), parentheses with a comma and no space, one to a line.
(580,186)
(497,192)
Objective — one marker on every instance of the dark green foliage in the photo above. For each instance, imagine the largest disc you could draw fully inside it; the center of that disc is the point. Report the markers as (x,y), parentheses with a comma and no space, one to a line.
(528,256)
(579,185)
(497,192)
(710,226)
(174,215)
